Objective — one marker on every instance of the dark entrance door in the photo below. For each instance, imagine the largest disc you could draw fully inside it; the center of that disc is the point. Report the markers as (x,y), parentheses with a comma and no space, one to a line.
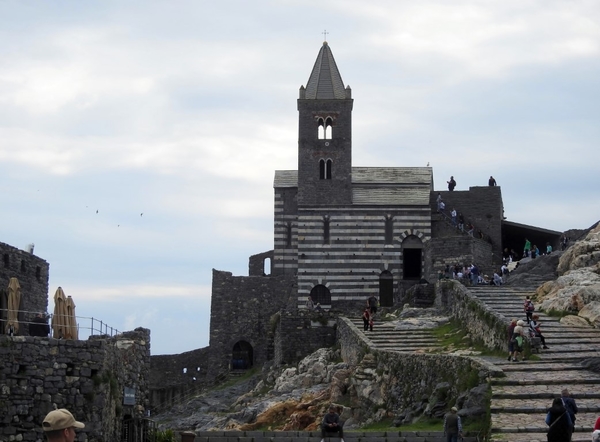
(411,259)
(321,295)
(386,289)
(242,356)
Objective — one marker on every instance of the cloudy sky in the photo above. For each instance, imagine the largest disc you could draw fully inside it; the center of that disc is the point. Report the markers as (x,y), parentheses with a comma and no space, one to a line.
(182,110)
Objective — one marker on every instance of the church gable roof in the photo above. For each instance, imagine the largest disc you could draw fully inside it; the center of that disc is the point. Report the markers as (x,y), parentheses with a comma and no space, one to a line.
(325,81)
(392,175)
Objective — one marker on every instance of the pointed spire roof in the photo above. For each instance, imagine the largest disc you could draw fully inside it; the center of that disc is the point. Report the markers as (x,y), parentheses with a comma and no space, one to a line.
(325,81)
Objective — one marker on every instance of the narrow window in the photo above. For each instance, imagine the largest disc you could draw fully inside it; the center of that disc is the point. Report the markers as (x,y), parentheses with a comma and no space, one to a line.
(321,129)
(38,273)
(328,169)
(389,230)
(328,128)
(326,230)
(288,235)
(6,260)
(321,169)
(23,266)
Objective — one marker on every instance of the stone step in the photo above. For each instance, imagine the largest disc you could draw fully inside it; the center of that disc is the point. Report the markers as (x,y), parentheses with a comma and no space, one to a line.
(548,391)
(536,437)
(315,436)
(541,405)
(535,422)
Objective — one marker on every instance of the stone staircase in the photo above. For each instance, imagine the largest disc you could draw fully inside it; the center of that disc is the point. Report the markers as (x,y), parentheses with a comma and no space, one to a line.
(521,399)
(385,337)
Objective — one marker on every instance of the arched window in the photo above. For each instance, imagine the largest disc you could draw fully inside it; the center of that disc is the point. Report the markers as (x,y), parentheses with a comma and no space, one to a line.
(325,128)
(321,295)
(267,266)
(325,169)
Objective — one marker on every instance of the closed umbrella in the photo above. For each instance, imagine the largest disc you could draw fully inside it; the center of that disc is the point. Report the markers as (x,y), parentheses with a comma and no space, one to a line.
(14,302)
(71,326)
(59,318)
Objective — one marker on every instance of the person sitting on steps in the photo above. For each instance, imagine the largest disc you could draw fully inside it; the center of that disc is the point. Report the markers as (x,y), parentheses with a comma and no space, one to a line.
(331,424)
(534,328)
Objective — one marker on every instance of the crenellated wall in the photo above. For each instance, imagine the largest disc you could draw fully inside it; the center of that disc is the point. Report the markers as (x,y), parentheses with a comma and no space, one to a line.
(86,377)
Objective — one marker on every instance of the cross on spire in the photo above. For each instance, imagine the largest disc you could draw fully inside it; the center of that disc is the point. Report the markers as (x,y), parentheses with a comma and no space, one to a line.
(325,34)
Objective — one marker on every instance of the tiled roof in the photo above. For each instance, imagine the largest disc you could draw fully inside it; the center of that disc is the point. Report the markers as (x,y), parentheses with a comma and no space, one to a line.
(390,196)
(325,81)
(392,175)
(286,178)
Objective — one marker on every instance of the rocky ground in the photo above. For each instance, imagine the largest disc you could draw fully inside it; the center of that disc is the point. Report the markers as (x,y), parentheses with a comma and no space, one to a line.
(297,397)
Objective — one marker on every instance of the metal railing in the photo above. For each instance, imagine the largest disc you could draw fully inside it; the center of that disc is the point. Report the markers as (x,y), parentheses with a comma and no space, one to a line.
(86,326)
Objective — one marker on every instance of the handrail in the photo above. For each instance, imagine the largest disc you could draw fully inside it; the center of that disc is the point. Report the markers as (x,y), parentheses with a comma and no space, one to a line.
(96,326)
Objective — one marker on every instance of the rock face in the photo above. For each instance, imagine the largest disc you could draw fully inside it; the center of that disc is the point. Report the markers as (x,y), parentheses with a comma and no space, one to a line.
(577,289)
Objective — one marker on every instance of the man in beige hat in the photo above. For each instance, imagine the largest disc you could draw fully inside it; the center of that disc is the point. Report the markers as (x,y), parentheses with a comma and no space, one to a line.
(59,426)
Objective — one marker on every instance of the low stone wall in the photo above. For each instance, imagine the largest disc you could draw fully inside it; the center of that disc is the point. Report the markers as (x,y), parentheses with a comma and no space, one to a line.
(402,380)
(86,377)
(483,324)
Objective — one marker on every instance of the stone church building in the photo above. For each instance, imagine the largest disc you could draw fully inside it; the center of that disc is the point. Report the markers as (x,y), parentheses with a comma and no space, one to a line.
(341,234)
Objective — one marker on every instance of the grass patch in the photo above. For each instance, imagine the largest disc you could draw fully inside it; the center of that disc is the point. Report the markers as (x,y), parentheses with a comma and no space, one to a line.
(453,336)
(236,380)
(554,313)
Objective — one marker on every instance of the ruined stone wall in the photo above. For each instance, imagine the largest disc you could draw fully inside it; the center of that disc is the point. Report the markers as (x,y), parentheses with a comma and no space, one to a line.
(462,250)
(32,273)
(86,377)
(176,377)
(257,264)
(483,207)
(241,311)
(300,333)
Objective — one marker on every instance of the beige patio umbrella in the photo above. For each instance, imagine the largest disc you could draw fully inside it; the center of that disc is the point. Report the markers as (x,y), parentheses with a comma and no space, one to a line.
(14,302)
(59,317)
(71,329)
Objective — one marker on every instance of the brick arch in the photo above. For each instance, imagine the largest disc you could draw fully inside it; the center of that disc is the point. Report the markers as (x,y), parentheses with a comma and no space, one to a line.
(413,232)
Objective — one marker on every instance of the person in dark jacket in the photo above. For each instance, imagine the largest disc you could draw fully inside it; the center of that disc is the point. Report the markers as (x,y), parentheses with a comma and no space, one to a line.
(39,326)
(331,424)
(452,425)
(559,421)
(569,404)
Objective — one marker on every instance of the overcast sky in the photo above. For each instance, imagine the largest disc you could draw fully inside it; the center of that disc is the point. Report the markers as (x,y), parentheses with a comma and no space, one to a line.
(183,110)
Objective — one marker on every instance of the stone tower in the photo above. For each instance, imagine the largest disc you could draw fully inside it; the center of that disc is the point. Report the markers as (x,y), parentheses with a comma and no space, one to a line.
(325,136)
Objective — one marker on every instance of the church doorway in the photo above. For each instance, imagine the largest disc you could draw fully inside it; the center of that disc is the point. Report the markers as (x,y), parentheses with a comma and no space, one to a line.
(242,357)
(412,249)
(321,295)
(386,289)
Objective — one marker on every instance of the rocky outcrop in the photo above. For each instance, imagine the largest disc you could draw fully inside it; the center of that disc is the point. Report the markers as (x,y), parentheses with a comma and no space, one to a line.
(577,289)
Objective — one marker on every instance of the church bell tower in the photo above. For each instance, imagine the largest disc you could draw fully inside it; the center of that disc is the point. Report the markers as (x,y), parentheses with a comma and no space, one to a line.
(325,136)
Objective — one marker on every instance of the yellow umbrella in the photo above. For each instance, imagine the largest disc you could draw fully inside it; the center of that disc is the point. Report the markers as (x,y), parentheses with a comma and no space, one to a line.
(59,318)
(14,302)
(72,332)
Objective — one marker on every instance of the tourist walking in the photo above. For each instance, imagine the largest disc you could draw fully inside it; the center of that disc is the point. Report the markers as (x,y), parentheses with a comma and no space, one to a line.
(452,425)
(511,343)
(559,422)
(570,405)
(528,308)
(366,317)
(372,304)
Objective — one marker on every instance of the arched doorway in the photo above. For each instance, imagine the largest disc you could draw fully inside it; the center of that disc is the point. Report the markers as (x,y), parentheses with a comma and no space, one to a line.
(412,258)
(321,295)
(386,289)
(242,357)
